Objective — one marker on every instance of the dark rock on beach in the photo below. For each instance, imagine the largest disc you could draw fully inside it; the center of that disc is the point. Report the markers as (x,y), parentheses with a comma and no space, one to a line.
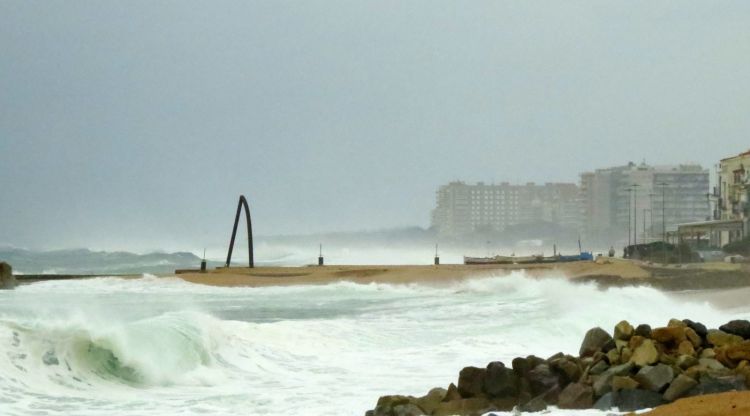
(636,367)
(7,280)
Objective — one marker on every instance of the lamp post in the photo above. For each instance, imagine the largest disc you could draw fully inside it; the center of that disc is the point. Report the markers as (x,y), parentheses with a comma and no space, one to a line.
(630,192)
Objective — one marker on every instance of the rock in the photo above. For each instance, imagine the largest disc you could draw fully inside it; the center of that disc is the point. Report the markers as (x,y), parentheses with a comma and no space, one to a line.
(475,406)
(623,383)
(542,379)
(709,384)
(739,351)
(738,327)
(710,364)
(522,366)
(676,323)
(409,409)
(613,357)
(655,378)
(500,381)
(471,382)
(635,341)
(693,337)
(576,396)
(452,393)
(668,335)
(7,280)
(643,330)
(708,353)
(387,404)
(623,331)
(537,404)
(686,361)
(629,400)
(602,383)
(626,354)
(598,368)
(698,327)
(720,338)
(645,354)
(432,399)
(568,367)
(686,348)
(679,387)
(595,340)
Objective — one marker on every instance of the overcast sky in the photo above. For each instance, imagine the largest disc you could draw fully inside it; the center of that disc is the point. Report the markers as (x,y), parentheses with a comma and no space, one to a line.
(136,124)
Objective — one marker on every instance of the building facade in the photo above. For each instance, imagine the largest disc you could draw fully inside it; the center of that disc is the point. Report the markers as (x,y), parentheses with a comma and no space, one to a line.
(463,209)
(639,203)
(734,187)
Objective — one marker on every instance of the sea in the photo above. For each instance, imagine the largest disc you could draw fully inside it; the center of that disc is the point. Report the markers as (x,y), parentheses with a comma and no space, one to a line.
(162,346)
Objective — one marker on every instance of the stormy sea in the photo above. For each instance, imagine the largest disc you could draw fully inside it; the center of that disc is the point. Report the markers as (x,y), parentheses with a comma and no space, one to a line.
(161,346)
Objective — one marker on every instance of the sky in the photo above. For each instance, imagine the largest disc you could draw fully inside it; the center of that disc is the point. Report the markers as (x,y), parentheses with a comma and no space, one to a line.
(137,124)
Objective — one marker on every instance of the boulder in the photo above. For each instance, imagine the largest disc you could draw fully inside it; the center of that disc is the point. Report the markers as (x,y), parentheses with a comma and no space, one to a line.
(408,409)
(720,338)
(686,348)
(522,366)
(623,331)
(655,378)
(698,327)
(471,382)
(643,330)
(672,335)
(542,379)
(645,354)
(432,399)
(603,382)
(595,340)
(738,327)
(7,280)
(623,383)
(537,404)
(613,357)
(452,393)
(686,361)
(710,384)
(676,323)
(679,387)
(629,400)
(710,364)
(475,406)
(576,396)
(739,351)
(568,367)
(707,353)
(693,337)
(387,404)
(598,368)
(500,381)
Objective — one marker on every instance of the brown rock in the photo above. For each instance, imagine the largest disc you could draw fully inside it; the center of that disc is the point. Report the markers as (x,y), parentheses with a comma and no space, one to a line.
(613,357)
(679,387)
(623,331)
(676,323)
(645,354)
(686,361)
(623,383)
(686,348)
(476,406)
(7,280)
(693,337)
(672,335)
(707,353)
(719,338)
(452,393)
(635,342)
(471,381)
(739,351)
(625,355)
(576,396)
(595,340)
(431,400)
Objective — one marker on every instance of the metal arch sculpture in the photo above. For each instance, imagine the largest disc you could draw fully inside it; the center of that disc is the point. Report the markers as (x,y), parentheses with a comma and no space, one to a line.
(242,203)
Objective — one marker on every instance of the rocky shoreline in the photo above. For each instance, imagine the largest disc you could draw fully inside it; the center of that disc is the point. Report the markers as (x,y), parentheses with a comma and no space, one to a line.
(633,368)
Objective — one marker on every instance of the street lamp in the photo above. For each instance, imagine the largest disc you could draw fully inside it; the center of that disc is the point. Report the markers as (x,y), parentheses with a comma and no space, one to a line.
(635,213)
(663,221)
(630,193)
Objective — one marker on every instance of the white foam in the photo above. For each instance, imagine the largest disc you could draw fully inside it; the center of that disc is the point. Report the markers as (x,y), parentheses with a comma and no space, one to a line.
(330,349)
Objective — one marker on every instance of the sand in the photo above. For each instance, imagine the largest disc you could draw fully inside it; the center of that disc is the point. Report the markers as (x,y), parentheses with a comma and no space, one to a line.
(430,274)
(723,404)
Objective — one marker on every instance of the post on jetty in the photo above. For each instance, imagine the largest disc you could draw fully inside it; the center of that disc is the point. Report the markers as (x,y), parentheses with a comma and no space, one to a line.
(437,258)
(240,205)
(320,255)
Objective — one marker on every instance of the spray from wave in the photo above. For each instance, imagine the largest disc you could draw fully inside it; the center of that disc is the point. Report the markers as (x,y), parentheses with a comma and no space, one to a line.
(163,346)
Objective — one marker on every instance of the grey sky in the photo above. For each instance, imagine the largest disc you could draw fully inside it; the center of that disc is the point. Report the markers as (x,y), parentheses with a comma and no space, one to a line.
(135,124)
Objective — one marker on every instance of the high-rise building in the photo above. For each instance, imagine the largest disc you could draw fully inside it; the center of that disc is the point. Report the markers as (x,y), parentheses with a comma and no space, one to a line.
(627,203)
(463,208)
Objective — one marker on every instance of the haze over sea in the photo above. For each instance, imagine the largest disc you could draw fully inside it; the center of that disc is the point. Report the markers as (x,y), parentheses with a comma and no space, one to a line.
(161,346)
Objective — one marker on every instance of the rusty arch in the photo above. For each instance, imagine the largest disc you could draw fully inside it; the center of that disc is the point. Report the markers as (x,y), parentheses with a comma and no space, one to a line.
(242,204)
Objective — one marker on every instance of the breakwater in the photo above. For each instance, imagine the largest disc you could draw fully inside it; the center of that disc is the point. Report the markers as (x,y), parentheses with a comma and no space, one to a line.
(631,368)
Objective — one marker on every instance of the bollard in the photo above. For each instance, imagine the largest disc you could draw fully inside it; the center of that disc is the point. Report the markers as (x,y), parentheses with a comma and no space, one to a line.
(320,256)
(437,261)
(203,266)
